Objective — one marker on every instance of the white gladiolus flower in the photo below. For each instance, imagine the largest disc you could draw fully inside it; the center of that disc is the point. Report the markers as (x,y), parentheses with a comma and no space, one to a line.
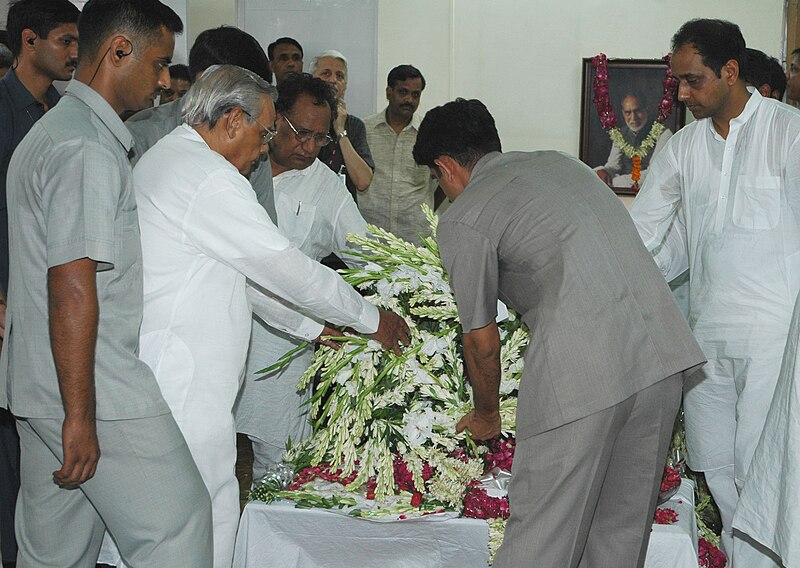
(418,427)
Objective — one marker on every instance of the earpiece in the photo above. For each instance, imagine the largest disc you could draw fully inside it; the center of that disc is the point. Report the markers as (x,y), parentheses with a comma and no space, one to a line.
(30,41)
(121,54)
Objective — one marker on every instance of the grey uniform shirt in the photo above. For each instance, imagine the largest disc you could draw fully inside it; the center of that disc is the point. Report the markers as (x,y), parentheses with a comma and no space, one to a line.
(543,234)
(152,124)
(70,196)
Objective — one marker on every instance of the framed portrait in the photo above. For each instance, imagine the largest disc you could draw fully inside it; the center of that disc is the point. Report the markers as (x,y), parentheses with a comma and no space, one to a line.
(635,87)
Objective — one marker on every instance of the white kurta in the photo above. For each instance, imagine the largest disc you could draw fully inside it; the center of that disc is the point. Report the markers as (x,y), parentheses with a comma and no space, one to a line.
(739,236)
(315,212)
(203,234)
(769,507)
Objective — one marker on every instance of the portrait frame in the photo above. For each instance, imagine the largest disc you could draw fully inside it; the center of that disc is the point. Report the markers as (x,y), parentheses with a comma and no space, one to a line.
(644,76)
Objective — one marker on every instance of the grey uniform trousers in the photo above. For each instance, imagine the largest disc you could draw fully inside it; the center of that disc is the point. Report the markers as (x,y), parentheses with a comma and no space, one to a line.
(146,491)
(583,494)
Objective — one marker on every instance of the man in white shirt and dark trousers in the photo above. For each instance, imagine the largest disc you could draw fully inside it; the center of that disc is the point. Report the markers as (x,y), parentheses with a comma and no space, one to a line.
(723,201)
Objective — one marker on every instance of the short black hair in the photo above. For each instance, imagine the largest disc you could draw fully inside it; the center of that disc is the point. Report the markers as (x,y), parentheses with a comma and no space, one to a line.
(462,129)
(179,71)
(141,19)
(228,45)
(40,16)
(717,42)
(298,84)
(280,40)
(403,73)
(763,69)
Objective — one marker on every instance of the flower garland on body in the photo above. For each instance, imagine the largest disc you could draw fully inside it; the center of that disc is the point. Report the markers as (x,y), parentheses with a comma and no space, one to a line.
(608,119)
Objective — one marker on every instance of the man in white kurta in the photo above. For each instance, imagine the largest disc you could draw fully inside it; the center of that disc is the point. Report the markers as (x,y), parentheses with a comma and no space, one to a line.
(203,235)
(735,173)
(315,212)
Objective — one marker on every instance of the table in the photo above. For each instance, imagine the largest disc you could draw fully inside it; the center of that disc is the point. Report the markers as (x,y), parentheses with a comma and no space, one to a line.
(281,536)
(675,545)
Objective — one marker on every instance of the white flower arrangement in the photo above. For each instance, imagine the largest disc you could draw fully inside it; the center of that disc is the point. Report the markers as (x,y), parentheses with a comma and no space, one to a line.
(372,407)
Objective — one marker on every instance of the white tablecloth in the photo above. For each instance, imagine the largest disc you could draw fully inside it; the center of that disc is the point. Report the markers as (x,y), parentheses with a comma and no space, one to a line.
(675,545)
(278,535)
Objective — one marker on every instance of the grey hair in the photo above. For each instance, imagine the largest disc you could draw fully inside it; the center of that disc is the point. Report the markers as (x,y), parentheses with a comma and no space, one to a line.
(330,53)
(222,88)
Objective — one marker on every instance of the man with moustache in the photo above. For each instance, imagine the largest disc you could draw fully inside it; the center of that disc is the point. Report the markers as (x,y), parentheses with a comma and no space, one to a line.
(69,371)
(399,186)
(617,170)
(723,201)
(285,58)
(316,213)
(203,237)
(43,35)
(349,153)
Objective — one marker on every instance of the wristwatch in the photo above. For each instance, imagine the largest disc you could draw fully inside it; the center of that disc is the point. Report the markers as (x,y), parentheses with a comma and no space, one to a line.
(341,135)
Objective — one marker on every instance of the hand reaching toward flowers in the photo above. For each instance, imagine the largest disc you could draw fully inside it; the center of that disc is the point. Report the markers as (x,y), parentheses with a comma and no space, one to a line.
(392,331)
(329,331)
(480,427)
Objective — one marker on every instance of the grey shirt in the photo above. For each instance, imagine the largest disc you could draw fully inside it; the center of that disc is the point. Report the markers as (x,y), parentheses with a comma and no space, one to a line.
(543,234)
(70,196)
(152,124)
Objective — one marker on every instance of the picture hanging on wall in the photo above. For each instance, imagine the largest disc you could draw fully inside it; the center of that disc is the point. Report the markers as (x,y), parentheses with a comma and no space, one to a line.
(628,112)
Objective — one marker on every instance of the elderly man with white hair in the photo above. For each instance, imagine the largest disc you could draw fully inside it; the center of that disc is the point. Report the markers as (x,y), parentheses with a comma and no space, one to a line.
(349,154)
(203,236)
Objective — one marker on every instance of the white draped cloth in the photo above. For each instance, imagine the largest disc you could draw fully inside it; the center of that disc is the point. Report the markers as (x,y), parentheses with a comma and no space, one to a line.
(769,505)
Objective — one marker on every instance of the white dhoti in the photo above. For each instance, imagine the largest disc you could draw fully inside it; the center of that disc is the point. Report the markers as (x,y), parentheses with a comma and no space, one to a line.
(769,506)
(270,409)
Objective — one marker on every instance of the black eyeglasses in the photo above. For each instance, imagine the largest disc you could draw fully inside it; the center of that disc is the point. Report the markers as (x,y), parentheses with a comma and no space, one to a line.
(304,135)
(270,132)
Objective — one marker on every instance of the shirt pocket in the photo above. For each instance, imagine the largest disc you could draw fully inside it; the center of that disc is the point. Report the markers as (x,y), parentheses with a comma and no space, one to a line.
(757,205)
(296,220)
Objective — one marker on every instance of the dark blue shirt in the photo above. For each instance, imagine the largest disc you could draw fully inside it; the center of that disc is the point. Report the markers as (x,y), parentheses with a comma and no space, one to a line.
(19,111)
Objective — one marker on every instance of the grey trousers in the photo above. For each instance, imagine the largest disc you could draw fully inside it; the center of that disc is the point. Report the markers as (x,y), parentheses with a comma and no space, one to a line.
(146,491)
(583,494)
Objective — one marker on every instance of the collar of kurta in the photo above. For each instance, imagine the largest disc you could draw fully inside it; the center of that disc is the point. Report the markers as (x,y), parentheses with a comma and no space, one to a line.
(296,172)
(103,111)
(749,110)
(21,97)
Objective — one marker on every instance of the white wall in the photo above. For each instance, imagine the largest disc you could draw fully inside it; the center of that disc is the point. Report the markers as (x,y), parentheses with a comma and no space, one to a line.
(523,58)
